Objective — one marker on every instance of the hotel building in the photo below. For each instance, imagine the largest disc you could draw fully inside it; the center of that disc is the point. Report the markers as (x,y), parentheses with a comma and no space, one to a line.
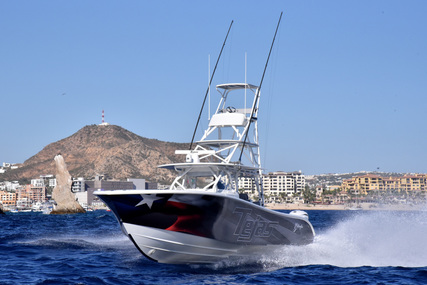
(276,184)
(371,184)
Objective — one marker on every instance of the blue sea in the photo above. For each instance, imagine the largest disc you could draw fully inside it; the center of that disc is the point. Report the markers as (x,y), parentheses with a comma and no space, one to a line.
(351,247)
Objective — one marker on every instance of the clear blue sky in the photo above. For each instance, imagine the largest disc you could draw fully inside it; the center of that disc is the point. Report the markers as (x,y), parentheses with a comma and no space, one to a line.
(346,89)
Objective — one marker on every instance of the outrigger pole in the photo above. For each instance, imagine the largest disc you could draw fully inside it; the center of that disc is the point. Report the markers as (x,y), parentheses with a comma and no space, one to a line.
(209,86)
(258,91)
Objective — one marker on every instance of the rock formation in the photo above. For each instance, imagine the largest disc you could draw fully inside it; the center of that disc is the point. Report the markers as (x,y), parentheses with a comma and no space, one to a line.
(65,201)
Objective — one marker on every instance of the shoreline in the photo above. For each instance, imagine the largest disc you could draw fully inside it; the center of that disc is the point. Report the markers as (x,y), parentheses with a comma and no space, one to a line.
(363,206)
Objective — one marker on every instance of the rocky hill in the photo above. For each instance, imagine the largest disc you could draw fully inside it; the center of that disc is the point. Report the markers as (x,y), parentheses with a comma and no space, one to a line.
(110,150)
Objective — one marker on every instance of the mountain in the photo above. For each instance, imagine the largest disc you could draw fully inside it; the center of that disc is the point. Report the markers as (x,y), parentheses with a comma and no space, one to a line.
(104,149)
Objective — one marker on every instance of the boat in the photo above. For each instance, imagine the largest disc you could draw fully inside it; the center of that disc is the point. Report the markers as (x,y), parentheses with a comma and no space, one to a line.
(37,207)
(202,218)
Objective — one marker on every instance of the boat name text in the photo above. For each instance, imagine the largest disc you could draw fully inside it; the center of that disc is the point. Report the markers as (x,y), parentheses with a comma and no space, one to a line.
(250,227)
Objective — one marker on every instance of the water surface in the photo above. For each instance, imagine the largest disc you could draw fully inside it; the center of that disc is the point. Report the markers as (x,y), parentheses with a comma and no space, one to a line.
(351,247)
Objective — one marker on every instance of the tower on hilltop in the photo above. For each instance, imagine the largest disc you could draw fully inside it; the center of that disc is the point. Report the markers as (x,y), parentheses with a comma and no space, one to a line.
(103,122)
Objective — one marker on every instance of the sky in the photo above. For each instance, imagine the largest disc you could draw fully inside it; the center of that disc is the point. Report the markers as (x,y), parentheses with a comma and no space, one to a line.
(345,89)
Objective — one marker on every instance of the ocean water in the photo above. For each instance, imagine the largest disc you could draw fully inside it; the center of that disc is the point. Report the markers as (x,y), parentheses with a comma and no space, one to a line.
(351,247)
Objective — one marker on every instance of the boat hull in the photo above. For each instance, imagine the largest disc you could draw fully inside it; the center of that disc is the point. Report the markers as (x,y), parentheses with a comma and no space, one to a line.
(192,227)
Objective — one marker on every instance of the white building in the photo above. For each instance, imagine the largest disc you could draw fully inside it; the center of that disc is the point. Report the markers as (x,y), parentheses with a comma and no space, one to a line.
(288,185)
(78,185)
(138,183)
(247,184)
(37,182)
(10,186)
(82,198)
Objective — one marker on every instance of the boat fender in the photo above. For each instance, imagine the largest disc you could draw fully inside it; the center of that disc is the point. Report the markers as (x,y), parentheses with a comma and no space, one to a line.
(299,213)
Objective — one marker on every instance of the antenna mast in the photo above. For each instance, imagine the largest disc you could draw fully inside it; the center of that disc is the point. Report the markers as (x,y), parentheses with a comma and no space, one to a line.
(259,89)
(246,68)
(209,86)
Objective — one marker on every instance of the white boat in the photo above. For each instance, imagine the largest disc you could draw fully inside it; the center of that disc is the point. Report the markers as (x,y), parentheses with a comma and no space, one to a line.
(202,218)
(37,207)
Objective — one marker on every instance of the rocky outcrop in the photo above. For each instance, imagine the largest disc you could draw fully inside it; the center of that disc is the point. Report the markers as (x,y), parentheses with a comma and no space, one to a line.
(65,200)
(109,150)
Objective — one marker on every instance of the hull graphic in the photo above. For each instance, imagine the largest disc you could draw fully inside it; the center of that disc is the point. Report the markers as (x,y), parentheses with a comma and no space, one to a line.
(173,227)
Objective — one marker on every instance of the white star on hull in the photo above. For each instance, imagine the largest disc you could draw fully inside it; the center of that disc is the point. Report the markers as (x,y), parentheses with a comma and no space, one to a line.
(148,200)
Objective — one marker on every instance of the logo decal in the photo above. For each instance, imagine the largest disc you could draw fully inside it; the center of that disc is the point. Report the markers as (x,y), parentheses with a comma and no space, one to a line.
(297,227)
(250,227)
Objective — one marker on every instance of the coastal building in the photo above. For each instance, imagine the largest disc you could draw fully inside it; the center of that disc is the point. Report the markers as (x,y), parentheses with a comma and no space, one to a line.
(37,182)
(391,184)
(246,184)
(279,184)
(333,187)
(24,197)
(9,185)
(138,183)
(99,184)
(33,193)
(82,198)
(8,199)
(375,185)
(13,195)
(288,185)
(7,165)
(151,185)
(319,192)
(413,183)
(84,189)
(78,185)
(363,185)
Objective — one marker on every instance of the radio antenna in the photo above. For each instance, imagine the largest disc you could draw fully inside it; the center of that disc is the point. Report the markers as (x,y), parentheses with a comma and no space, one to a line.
(258,90)
(209,86)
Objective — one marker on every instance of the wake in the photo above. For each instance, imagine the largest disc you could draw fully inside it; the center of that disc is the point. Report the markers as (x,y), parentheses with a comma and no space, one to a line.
(79,241)
(367,239)
(376,239)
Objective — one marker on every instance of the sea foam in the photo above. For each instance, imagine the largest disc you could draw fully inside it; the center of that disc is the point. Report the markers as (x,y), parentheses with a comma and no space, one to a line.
(379,238)
(373,238)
